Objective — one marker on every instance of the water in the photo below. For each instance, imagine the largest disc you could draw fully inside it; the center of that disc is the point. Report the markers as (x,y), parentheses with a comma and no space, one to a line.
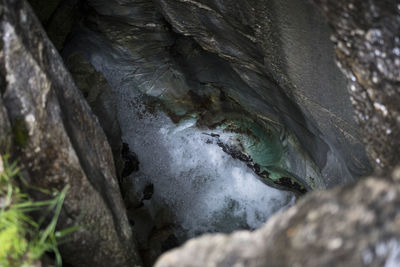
(205,188)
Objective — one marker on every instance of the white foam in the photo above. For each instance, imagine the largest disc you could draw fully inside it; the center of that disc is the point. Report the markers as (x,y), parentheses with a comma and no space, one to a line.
(207,190)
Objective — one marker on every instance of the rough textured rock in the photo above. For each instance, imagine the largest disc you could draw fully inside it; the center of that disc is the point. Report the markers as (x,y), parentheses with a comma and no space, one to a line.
(353,226)
(59,141)
(356,225)
(368,49)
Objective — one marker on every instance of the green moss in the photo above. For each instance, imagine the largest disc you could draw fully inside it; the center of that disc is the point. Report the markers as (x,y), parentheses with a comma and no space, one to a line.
(20,132)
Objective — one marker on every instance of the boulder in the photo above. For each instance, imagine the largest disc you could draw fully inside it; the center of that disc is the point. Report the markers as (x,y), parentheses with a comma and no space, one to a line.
(357,225)
(60,143)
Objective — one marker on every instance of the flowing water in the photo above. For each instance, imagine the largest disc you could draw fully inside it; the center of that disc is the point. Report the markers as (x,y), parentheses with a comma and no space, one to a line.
(205,188)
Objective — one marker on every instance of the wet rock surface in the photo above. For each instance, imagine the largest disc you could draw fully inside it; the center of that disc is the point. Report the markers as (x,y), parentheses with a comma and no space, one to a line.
(220,79)
(131,162)
(280,49)
(59,141)
(285,183)
(232,66)
(356,225)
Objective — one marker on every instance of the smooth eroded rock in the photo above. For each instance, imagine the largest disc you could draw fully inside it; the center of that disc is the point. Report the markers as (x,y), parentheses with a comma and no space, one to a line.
(354,225)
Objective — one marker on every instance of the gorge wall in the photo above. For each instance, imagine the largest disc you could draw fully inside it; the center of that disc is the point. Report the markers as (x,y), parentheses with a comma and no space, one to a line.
(267,62)
(351,226)
(278,95)
(253,84)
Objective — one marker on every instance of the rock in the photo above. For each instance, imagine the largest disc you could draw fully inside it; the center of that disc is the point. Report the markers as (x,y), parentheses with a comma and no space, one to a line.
(357,225)
(102,102)
(131,162)
(263,62)
(62,20)
(44,9)
(354,225)
(57,17)
(5,127)
(281,50)
(368,49)
(148,192)
(59,142)
(236,78)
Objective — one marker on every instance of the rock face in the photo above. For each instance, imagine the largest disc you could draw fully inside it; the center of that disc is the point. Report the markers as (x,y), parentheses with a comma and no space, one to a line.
(101,100)
(216,60)
(241,65)
(368,50)
(229,64)
(355,225)
(281,49)
(59,141)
